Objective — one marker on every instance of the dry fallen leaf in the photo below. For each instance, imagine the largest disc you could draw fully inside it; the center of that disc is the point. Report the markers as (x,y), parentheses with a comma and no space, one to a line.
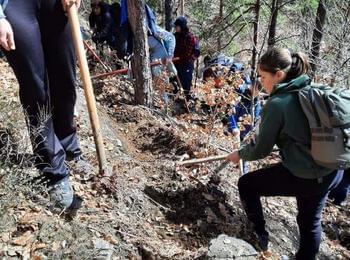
(38,246)
(23,240)
(36,257)
(111,239)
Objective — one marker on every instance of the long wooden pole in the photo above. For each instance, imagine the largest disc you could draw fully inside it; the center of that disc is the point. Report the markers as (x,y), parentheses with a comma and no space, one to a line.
(203,160)
(87,46)
(89,93)
(125,71)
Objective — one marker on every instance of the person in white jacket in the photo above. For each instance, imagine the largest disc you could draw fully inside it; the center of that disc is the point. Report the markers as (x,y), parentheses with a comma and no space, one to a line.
(162,47)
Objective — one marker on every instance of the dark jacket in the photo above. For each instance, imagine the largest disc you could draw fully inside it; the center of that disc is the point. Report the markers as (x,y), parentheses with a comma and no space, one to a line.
(185,44)
(283,123)
(104,25)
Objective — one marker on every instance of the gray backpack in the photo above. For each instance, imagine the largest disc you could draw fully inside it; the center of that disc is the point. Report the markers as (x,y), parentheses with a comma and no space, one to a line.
(328,112)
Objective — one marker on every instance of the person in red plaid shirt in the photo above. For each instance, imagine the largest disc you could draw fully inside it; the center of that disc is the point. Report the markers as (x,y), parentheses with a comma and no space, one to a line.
(185,50)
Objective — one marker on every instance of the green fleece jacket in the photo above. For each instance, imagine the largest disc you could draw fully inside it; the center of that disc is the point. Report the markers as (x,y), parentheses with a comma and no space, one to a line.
(283,123)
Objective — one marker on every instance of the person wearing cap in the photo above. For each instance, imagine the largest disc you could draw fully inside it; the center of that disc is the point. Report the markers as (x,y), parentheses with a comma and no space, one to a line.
(185,51)
(37,41)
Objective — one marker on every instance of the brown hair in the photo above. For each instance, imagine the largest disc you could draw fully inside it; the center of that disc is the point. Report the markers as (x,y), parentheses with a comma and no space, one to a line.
(294,64)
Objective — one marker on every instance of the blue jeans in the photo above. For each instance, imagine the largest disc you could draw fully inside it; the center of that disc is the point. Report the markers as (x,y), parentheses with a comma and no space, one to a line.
(311,197)
(157,52)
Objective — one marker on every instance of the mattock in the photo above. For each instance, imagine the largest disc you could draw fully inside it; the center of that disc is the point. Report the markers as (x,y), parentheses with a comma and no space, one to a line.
(215,177)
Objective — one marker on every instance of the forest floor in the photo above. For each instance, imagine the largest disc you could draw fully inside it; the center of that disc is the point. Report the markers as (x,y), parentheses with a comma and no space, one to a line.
(146,208)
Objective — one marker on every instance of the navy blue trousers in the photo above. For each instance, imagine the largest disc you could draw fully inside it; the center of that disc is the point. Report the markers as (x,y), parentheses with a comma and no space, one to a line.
(45,67)
(185,73)
(310,195)
(340,193)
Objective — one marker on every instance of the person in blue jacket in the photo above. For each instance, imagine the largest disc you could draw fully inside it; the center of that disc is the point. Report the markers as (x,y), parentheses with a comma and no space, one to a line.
(37,41)
(244,108)
(161,47)
(161,42)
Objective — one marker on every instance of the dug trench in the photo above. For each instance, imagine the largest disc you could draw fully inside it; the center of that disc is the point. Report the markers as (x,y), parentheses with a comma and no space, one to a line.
(195,211)
(201,211)
(195,208)
(147,208)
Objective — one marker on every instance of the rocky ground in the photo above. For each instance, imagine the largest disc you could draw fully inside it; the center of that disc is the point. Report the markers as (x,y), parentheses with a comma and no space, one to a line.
(147,208)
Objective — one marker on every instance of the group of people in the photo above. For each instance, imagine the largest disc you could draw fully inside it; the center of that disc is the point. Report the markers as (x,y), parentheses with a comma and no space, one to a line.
(37,42)
(36,39)
(110,25)
(249,104)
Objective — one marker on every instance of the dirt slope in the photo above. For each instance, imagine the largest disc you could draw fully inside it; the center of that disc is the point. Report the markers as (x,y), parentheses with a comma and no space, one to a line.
(147,209)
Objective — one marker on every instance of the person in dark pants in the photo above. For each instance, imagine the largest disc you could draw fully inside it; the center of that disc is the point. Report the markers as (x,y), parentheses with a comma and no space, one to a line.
(284,124)
(40,50)
(340,193)
(185,51)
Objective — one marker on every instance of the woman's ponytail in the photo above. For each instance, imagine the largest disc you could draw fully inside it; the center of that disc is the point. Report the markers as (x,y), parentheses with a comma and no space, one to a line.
(300,65)
(294,64)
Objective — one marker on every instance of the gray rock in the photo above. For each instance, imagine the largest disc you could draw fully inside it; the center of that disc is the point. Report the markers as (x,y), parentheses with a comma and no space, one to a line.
(225,247)
(105,250)
(119,143)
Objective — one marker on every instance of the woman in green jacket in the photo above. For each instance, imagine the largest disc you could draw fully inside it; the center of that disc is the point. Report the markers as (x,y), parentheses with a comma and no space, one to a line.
(284,124)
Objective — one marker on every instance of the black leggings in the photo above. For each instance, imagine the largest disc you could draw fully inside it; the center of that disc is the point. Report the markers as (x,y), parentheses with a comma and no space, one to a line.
(44,64)
(311,197)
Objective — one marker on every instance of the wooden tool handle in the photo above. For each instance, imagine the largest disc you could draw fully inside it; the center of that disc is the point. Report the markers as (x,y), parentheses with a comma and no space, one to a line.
(125,71)
(87,46)
(203,160)
(88,90)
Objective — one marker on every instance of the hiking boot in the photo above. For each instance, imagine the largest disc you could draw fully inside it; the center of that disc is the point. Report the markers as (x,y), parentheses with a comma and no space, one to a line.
(61,194)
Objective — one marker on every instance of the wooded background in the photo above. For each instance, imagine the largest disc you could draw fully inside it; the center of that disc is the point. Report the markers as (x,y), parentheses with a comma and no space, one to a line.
(245,28)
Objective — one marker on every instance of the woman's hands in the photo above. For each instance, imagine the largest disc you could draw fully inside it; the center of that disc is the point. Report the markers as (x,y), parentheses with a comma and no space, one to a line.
(68,3)
(6,35)
(234,157)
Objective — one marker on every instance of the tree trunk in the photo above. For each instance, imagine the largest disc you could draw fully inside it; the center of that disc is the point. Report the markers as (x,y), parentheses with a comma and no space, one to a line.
(140,63)
(318,34)
(168,12)
(160,12)
(255,40)
(341,44)
(221,15)
(182,7)
(275,5)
